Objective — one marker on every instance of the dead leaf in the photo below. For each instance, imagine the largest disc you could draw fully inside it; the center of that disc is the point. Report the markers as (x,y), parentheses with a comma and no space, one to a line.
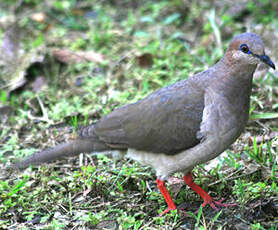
(268,137)
(78,12)
(145,60)
(10,50)
(176,184)
(108,224)
(5,113)
(38,83)
(175,180)
(86,192)
(78,81)
(38,17)
(68,56)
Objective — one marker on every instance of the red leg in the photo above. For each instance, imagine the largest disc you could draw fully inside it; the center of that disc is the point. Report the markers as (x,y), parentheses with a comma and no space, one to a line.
(166,195)
(206,197)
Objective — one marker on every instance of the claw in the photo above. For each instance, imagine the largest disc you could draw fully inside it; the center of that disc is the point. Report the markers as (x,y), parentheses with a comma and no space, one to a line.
(166,211)
(189,181)
(219,203)
(205,196)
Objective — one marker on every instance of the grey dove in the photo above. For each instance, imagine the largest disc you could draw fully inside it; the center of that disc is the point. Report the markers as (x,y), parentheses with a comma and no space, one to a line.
(179,126)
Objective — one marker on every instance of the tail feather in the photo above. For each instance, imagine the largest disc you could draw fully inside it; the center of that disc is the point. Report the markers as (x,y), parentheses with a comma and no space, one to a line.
(71,148)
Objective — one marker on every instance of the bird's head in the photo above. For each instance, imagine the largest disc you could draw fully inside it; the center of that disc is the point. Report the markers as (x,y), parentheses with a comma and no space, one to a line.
(248,49)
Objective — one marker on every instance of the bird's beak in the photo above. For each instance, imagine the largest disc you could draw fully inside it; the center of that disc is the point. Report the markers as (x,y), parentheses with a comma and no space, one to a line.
(266,60)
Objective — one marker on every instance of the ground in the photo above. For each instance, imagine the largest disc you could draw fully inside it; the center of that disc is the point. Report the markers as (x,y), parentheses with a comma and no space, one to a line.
(65,64)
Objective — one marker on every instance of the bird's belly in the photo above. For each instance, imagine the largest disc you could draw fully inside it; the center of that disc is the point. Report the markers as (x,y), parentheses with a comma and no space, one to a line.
(160,162)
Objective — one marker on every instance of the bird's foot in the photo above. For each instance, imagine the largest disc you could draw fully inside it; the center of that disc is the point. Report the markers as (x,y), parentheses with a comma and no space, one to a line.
(167,197)
(166,211)
(205,196)
(209,201)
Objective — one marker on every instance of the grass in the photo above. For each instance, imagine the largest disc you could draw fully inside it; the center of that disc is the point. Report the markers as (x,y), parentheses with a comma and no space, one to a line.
(145,46)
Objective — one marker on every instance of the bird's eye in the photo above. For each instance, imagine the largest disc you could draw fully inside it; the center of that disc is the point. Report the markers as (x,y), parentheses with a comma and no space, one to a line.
(244,48)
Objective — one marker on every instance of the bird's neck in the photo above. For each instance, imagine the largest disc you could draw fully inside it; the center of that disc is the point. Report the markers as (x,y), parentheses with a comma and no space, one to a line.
(235,84)
(235,78)
(236,69)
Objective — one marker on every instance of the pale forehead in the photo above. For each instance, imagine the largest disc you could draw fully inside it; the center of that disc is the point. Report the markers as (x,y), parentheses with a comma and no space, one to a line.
(253,41)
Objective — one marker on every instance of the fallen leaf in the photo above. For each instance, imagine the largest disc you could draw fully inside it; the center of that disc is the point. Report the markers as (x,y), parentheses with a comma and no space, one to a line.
(68,56)
(108,224)
(38,17)
(145,60)
(86,192)
(78,81)
(264,138)
(176,184)
(38,83)
(5,113)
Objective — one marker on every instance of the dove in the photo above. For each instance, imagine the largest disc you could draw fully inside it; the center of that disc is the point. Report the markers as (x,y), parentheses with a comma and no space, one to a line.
(180,126)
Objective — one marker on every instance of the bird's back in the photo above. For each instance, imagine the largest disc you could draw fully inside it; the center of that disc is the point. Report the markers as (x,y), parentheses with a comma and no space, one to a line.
(167,121)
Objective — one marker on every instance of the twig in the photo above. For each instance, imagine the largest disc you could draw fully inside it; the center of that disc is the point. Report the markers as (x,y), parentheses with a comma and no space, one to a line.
(147,224)
(148,186)
(265,127)
(44,112)
(43,118)
(229,178)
